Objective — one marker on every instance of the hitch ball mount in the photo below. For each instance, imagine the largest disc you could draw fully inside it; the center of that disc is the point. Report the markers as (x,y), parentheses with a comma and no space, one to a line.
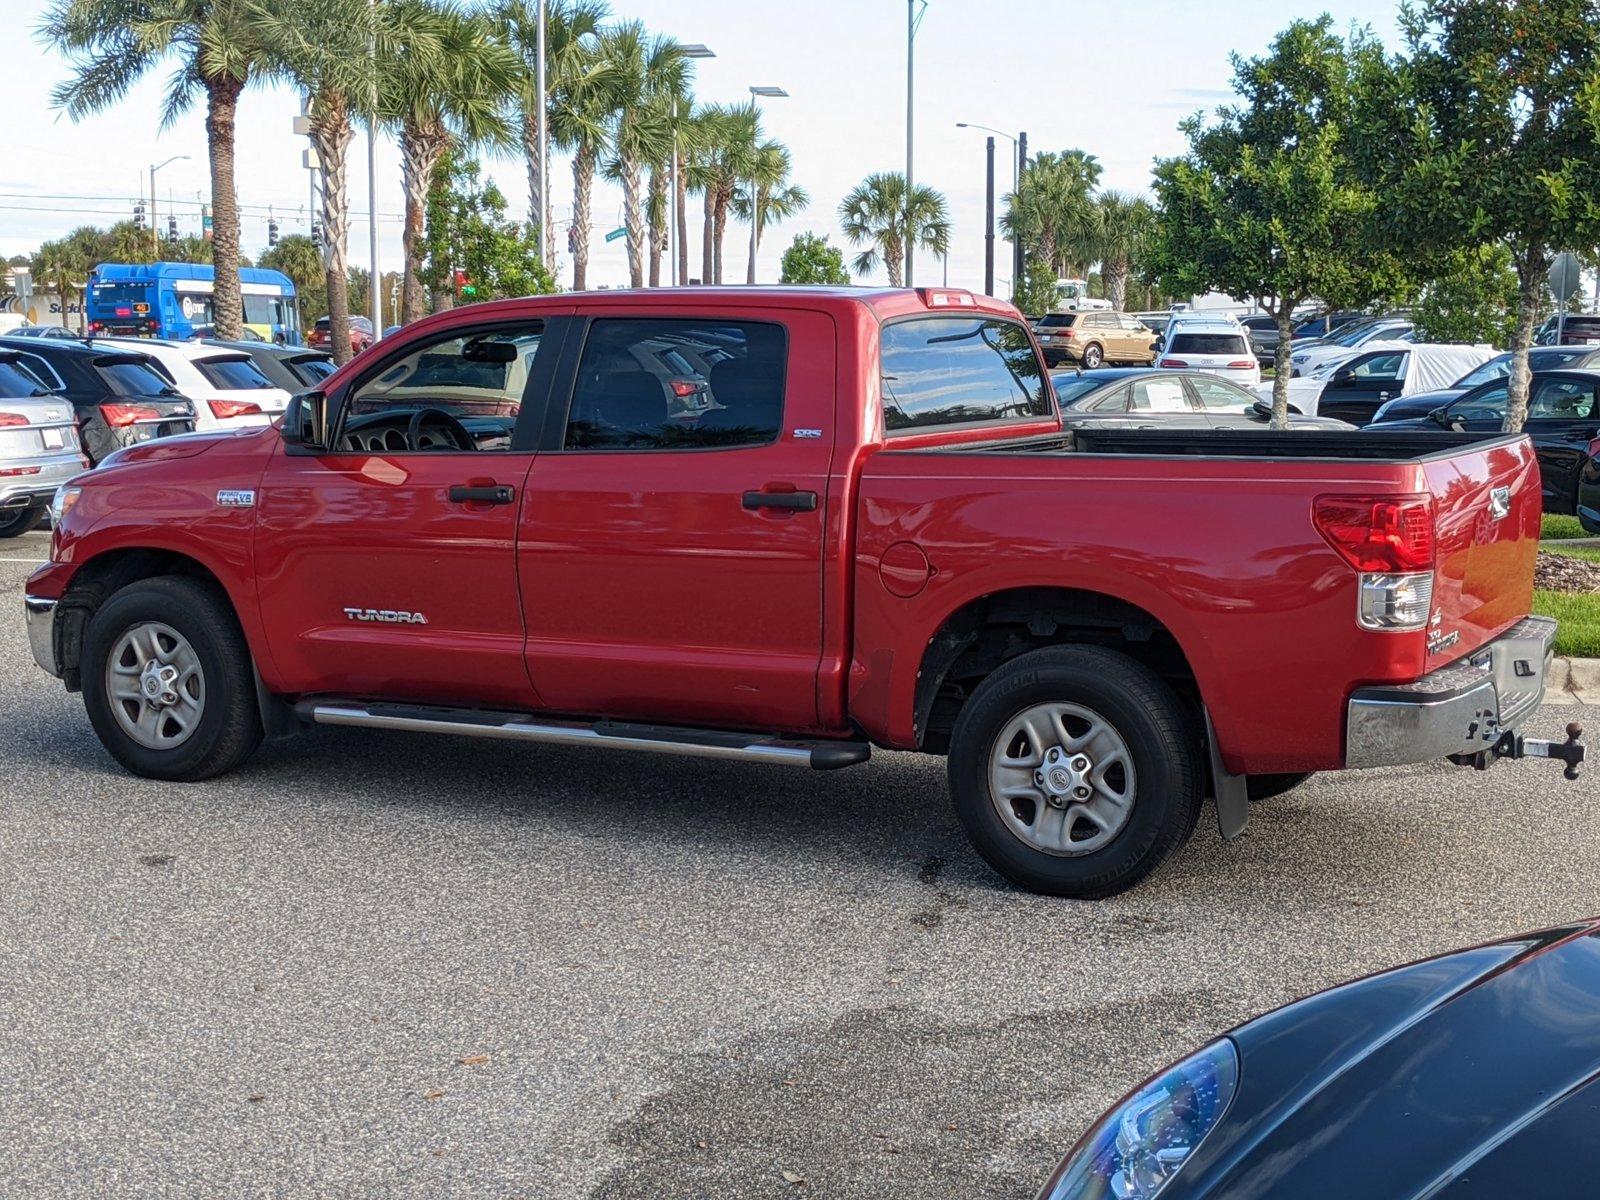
(1514,745)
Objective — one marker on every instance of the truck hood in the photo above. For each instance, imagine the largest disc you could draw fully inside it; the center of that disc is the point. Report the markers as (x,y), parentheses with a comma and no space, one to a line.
(183,445)
(1464,1077)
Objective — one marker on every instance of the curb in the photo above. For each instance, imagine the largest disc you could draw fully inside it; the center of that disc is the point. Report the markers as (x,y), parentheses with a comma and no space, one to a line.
(1572,681)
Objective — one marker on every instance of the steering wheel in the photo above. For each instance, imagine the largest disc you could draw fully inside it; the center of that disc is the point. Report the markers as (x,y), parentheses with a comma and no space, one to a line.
(457,432)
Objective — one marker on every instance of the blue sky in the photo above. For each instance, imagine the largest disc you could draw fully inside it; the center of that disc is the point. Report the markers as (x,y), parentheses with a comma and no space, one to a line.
(1113,79)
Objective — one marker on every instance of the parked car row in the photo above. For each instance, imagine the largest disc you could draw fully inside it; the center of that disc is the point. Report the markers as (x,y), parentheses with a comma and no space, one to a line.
(66,403)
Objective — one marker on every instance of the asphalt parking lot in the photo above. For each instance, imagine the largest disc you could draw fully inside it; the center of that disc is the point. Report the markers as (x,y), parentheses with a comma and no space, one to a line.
(383,965)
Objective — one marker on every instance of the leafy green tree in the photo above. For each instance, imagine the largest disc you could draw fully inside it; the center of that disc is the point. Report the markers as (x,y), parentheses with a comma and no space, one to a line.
(810,259)
(876,214)
(467,231)
(1267,203)
(218,48)
(1486,128)
(301,261)
(1037,295)
(62,266)
(776,197)
(1470,296)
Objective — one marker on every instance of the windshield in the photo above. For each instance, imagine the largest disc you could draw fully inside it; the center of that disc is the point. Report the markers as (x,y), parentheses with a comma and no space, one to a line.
(1496,368)
(132,378)
(234,374)
(1074,387)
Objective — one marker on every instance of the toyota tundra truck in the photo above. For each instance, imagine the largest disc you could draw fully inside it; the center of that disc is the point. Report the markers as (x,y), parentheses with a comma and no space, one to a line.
(788,525)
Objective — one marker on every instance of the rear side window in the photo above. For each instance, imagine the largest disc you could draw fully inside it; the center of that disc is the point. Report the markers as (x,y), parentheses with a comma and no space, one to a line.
(1208,343)
(941,371)
(1056,320)
(132,378)
(16,381)
(1156,395)
(662,384)
(311,370)
(232,374)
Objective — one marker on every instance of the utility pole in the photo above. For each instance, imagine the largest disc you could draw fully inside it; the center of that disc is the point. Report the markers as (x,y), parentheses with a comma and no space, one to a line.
(988,221)
(375,286)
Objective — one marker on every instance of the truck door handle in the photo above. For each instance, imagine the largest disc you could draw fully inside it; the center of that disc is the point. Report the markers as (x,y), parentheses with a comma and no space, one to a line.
(494,493)
(794,501)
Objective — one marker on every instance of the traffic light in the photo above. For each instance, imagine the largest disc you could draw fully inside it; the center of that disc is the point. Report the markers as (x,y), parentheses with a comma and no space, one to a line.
(464,285)
(572,239)
(138,215)
(172,229)
(316,234)
(272,231)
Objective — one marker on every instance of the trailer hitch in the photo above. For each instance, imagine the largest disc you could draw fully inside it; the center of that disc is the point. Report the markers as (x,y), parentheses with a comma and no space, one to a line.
(1514,745)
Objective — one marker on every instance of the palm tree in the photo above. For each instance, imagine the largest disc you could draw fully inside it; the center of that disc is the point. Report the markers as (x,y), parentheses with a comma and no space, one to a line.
(62,267)
(572,30)
(445,91)
(1117,238)
(725,147)
(581,104)
(776,197)
(219,48)
(876,214)
(1051,211)
(651,73)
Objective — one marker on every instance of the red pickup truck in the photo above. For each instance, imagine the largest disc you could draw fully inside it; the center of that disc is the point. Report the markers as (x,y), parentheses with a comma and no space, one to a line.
(787,525)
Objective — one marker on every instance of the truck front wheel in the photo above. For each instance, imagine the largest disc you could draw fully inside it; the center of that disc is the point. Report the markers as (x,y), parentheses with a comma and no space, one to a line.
(167,680)
(1075,771)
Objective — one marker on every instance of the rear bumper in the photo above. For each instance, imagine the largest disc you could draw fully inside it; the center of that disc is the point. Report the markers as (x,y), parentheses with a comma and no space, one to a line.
(1459,709)
(41,618)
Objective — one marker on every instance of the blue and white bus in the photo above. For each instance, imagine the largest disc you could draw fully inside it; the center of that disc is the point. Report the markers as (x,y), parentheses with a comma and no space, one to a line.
(172,300)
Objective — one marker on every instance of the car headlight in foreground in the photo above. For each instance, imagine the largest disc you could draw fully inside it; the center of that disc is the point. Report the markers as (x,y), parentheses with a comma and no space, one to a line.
(1142,1143)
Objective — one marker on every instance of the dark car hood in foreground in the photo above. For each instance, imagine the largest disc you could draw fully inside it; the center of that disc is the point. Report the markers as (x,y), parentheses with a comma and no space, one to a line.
(1467,1077)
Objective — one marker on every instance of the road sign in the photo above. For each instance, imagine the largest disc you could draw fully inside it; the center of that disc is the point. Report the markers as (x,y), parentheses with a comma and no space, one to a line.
(615,234)
(1566,276)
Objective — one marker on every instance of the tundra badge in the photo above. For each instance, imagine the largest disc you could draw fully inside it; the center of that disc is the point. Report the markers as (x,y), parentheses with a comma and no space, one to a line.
(387,616)
(1499,502)
(236,498)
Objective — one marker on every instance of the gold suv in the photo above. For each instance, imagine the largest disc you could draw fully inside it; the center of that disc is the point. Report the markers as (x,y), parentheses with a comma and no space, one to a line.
(1093,338)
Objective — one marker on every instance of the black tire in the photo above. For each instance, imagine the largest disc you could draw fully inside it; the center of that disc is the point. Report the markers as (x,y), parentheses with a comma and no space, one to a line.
(14,522)
(1145,714)
(1265,787)
(229,727)
(1093,356)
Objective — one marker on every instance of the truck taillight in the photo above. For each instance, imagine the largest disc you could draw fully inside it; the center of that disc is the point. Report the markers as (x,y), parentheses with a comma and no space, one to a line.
(1173,364)
(223,409)
(1378,533)
(1389,541)
(122,415)
(12,419)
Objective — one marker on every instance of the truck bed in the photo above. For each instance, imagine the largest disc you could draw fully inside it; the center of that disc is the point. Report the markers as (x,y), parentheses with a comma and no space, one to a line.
(1400,446)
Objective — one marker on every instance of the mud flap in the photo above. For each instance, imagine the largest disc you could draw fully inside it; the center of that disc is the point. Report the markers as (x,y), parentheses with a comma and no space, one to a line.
(1233,797)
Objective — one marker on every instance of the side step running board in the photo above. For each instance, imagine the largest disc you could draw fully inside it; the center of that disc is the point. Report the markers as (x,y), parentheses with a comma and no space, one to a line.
(821,754)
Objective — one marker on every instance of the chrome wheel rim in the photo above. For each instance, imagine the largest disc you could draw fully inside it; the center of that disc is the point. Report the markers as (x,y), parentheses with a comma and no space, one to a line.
(1061,779)
(155,685)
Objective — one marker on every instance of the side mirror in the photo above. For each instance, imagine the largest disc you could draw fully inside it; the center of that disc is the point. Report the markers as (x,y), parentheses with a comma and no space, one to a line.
(305,421)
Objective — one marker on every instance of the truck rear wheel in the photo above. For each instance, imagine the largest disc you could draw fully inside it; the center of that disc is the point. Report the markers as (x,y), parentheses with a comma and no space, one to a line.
(1075,771)
(167,680)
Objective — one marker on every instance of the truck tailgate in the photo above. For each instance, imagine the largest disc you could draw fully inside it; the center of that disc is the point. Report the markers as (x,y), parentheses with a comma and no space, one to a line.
(1487,509)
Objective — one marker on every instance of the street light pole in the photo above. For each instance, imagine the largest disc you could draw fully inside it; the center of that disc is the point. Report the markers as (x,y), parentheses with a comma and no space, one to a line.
(755,198)
(375,283)
(1019,266)
(988,218)
(544,145)
(155,238)
(912,15)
